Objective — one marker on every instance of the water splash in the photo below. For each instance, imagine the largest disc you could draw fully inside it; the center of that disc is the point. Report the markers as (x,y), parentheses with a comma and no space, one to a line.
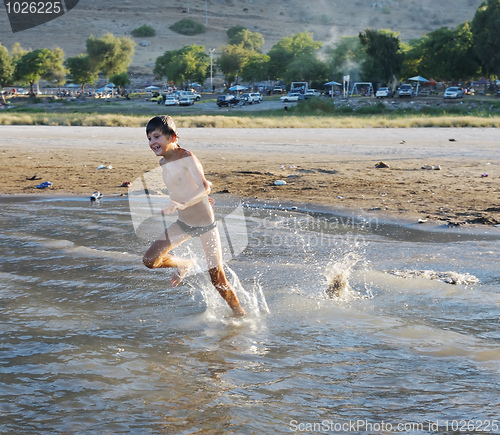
(253,299)
(339,269)
(449,277)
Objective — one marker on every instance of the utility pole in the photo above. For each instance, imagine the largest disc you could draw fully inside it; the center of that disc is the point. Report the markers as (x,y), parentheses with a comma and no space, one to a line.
(211,50)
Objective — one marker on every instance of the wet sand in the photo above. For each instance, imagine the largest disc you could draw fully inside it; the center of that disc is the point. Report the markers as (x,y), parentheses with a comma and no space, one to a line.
(332,167)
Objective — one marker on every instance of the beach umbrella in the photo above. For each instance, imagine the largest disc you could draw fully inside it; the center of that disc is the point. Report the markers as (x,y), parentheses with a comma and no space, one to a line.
(72,85)
(332,84)
(237,88)
(418,79)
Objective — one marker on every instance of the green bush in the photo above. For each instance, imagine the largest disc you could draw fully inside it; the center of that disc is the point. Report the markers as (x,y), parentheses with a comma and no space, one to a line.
(314,106)
(376,109)
(143,31)
(187,27)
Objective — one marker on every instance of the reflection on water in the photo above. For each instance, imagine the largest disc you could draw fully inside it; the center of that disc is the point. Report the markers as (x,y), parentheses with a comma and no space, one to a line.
(91,341)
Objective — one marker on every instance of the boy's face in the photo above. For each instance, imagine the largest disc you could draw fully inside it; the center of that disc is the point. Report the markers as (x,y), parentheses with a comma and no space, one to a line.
(160,144)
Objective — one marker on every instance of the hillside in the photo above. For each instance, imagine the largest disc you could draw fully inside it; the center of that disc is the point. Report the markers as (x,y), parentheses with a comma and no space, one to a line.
(328,20)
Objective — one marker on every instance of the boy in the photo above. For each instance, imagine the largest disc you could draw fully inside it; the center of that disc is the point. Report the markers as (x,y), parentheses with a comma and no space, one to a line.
(188,189)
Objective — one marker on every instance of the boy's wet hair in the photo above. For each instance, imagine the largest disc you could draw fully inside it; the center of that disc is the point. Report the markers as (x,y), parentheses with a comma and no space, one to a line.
(163,123)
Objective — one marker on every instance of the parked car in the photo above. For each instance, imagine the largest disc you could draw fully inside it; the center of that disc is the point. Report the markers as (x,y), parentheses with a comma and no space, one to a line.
(186,101)
(252,97)
(189,94)
(384,93)
(293,96)
(312,93)
(227,100)
(454,92)
(170,100)
(405,90)
(157,97)
(278,90)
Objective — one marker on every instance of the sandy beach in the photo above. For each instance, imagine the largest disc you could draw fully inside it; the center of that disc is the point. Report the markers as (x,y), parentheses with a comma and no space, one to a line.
(440,175)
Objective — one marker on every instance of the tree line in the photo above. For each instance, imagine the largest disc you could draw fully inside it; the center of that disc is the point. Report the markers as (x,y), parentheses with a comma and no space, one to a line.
(447,54)
(108,55)
(455,55)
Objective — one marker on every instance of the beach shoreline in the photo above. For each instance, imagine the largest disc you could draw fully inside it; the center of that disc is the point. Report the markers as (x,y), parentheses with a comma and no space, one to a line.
(447,176)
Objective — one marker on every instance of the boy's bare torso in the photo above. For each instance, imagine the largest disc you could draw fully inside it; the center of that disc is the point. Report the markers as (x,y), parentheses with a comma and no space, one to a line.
(181,179)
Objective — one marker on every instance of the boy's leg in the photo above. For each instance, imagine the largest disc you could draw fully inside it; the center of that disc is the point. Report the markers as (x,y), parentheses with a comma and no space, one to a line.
(220,282)
(157,256)
(213,253)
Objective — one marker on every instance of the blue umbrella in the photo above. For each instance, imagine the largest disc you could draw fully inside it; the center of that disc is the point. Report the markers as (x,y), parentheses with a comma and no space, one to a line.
(237,88)
(418,79)
(332,84)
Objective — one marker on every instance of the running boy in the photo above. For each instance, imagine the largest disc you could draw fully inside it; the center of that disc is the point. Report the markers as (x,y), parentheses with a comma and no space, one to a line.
(188,189)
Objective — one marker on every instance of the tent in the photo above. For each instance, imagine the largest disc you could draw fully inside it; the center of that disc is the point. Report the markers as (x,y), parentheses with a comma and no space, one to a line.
(152,88)
(418,79)
(364,84)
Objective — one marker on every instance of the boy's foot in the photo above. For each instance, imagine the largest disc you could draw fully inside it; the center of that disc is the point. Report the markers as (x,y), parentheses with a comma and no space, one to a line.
(182,271)
(239,311)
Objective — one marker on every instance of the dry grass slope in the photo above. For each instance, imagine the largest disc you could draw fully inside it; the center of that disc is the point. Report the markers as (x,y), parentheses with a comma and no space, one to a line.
(327,19)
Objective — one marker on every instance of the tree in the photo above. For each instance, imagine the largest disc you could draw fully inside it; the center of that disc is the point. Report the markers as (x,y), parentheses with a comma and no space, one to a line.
(307,68)
(55,71)
(231,62)
(110,54)
(252,41)
(232,31)
(384,58)
(444,53)
(188,27)
(6,69)
(17,52)
(346,58)
(255,68)
(285,51)
(190,63)
(485,29)
(413,59)
(80,70)
(121,80)
(37,64)
(144,31)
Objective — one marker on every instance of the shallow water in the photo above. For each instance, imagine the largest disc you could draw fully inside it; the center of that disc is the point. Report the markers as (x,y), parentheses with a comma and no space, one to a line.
(91,341)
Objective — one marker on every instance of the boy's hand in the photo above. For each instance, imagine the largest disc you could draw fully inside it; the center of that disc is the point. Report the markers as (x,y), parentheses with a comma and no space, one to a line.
(172,207)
